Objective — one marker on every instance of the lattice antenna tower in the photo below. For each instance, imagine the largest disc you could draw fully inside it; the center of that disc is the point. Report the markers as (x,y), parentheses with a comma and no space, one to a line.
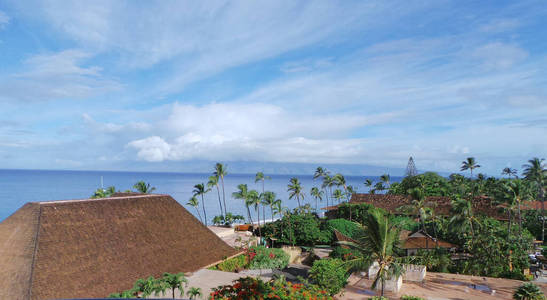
(411,168)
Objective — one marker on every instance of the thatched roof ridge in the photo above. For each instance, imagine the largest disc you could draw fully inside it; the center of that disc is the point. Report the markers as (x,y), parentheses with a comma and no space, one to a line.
(90,248)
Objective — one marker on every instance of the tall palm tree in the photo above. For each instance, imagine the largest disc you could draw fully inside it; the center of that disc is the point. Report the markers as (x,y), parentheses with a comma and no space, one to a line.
(268,199)
(338,194)
(213,182)
(194,202)
(375,242)
(469,164)
(277,207)
(200,190)
(509,172)
(295,189)
(536,172)
(243,194)
(261,177)
(143,187)
(385,178)
(253,198)
(368,183)
(174,281)
(464,217)
(340,180)
(419,207)
(328,182)
(221,172)
(517,193)
(321,172)
(194,292)
(317,194)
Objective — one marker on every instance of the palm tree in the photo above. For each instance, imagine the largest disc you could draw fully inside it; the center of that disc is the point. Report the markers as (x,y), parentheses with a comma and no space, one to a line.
(379,186)
(385,179)
(368,183)
(464,217)
(469,164)
(528,291)
(194,202)
(220,171)
(328,182)
(243,194)
(213,182)
(200,190)
(317,194)
(193,293)
(517,193)
(147,286)
(375,242)
(277,207)
(261,177)
(320,172)
(536,172)
(295,189)
(268,199)
(509,172)
(338,195)
(253,198)
(143,187)
(174,281)
(420,208)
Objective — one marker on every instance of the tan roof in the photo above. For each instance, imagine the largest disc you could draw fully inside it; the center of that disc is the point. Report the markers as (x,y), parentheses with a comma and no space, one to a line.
(425,242)
(91,248)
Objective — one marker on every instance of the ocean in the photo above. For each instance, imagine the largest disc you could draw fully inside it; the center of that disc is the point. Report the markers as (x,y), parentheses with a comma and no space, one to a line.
(18,187)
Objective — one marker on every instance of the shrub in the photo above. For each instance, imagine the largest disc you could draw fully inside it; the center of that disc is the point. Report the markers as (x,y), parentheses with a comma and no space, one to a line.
(329,274)
(528,291)
(232,264)
(379,298)
(345,227)
(299,229)
(260,257)
(280,289)
(359,212)
(342,253)
(407,297)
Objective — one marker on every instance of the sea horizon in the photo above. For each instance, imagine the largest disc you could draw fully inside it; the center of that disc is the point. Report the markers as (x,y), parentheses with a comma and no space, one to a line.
(19,186)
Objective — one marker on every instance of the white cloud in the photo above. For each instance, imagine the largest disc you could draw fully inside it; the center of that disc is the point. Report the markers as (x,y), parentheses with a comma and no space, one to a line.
(499,56)
(56,76)
(4,20)
(500,25)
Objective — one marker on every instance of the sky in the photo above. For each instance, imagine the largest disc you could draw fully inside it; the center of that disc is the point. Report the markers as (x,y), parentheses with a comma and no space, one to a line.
(157,85)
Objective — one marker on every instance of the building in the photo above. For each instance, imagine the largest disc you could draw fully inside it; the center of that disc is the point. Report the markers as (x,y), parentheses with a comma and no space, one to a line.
(423,241)
(91,248)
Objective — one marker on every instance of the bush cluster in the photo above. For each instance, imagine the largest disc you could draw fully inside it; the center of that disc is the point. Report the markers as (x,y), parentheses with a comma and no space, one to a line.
(280,289)
(302,229)
(329,274)
(260,257)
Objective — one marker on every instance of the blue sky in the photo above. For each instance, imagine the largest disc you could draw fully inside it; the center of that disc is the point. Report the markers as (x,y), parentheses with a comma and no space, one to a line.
(119,84)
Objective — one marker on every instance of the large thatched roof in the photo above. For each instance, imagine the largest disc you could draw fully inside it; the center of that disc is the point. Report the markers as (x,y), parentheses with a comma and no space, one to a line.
(94,247)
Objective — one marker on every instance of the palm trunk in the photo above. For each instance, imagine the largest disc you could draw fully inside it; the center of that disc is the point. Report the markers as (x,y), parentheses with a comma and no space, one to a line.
(249,214)
(298,199)
(520,220)
(173,292)
(542,199)
(199,215)
(220,203)
(271,210)
(204,213)
(223,195)
(509,226)
(258,218)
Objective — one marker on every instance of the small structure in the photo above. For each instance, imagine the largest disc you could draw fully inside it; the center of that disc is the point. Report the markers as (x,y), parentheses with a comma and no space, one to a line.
(391,285)
(93,247)
(423,241)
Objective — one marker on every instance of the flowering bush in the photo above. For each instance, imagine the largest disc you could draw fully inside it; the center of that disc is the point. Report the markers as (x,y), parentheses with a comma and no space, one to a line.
(250,288)
(343,253)
(329,274)
(260,257)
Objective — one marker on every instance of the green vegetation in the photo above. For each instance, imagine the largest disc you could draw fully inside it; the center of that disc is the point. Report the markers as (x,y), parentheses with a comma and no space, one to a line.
(143,187)
(407,297)
(344,226)
(329,274)
(277,289)
(228,220)
(256,257)
(528,291)
(152,286)
(260,257)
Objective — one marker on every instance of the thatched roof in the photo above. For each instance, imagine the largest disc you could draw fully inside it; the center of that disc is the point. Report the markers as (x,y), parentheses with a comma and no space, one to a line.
(421,240)
(94,247)
(441,205)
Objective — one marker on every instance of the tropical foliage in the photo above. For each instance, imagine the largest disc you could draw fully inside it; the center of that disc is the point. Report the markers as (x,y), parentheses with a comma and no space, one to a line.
(329,274)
